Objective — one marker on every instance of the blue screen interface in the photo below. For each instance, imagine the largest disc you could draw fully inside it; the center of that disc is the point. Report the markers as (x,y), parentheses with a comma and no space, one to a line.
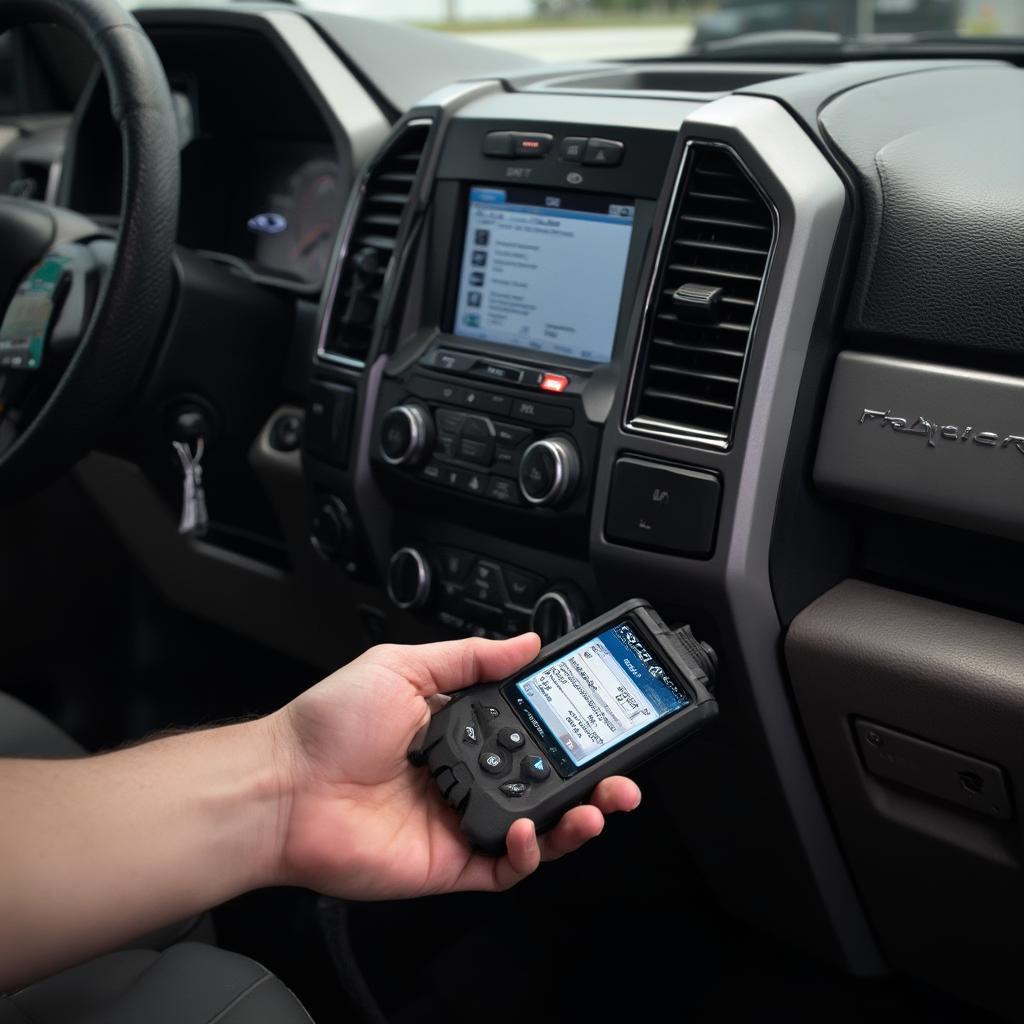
(544,270)
(599,695)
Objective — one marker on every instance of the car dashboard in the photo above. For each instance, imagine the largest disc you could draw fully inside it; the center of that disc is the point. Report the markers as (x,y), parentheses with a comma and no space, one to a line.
(530,341)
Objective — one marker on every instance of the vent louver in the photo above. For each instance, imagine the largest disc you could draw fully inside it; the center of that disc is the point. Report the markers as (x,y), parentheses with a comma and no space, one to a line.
(697,338)
(371,245)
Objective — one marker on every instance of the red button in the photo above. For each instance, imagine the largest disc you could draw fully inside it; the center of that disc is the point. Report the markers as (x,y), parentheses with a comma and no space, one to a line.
(553,382)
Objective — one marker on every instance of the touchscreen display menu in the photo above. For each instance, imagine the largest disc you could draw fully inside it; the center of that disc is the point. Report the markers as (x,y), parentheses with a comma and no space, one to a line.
(544,270)
(597,696)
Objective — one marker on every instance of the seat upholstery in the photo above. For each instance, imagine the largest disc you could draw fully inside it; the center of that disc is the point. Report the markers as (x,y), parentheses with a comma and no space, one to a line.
(187,984)
(26,733)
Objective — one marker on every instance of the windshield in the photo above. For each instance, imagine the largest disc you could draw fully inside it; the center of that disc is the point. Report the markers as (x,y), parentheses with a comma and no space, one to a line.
(585,30)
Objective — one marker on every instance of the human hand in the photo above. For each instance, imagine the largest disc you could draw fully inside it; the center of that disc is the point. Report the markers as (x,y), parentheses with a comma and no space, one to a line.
(357,820)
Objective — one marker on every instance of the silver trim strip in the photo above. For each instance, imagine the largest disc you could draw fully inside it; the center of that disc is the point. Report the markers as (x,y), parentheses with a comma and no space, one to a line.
(417,434)
(674,431)
(572,620)
(422,579)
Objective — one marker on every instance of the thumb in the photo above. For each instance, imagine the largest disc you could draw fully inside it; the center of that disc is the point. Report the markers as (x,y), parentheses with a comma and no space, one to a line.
(454,664)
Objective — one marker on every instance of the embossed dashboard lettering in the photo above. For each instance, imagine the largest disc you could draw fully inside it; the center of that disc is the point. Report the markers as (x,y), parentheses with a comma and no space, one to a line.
(930,430)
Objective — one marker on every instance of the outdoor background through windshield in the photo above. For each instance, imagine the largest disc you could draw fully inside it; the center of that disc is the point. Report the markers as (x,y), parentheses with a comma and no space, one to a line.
(580,30)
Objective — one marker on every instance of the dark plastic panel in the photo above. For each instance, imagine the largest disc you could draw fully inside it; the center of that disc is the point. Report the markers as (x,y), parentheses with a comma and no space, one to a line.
(942,883)
(940,442)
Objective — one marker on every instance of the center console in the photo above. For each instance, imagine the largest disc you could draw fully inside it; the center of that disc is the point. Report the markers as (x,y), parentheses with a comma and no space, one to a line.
(557,368)
(507,304)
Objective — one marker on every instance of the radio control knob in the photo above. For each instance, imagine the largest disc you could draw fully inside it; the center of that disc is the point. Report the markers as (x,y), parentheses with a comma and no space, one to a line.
(556,613)
(409,579)
(549,471)
(406,434)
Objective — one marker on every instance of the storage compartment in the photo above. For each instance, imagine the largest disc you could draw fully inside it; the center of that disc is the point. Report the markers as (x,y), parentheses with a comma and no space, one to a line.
(937,864)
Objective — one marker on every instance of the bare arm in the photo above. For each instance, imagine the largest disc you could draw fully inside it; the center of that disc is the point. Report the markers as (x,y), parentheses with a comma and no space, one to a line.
(99,850)
(96,851)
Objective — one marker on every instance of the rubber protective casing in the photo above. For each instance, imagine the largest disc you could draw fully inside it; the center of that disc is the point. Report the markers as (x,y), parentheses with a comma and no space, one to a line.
(486,812)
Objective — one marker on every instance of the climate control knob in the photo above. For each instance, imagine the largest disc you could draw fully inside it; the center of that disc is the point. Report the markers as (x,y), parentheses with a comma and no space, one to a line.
(549,471)
(556,613)
(406,434)
(409,579)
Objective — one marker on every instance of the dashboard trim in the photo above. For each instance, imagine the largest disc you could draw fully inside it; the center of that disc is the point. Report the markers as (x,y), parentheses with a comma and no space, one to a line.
(347,100)
(733,587)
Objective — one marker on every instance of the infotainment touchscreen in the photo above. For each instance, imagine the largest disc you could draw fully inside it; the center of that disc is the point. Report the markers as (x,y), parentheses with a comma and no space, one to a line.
(544,270)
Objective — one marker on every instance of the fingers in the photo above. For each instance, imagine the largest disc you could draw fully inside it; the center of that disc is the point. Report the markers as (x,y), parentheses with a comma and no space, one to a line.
(453,664)
(616,793)
(577,826)
(525,851)
(489,874)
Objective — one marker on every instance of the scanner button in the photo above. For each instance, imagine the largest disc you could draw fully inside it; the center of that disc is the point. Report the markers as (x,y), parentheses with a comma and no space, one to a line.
(510,739)
(470,734)
(491,712)
(493,763)
(535,767)
(514,789)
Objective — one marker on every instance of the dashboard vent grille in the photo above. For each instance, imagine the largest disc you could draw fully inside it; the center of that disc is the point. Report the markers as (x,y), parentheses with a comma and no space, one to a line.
(702,314)
(371,245)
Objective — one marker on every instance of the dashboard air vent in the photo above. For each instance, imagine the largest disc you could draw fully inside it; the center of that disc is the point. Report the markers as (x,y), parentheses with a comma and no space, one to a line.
(711,270)
(371,244)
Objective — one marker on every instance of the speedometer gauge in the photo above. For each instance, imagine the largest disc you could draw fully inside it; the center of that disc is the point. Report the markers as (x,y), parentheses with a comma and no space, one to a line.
(295,230)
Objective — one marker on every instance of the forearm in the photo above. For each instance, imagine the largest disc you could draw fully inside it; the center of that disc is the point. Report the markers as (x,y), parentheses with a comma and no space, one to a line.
(97,851)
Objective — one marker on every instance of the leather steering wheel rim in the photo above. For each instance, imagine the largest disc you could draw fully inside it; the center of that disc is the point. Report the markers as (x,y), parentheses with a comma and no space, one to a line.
(130,308)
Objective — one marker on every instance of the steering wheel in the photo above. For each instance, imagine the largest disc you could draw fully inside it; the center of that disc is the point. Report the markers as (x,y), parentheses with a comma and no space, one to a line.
(80,312)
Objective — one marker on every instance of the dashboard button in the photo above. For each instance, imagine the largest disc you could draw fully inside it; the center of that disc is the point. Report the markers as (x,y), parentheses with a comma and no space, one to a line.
(531,411)
(663,507)
(479,452)
(453,477)
(572,149)
(503,489)
(498,144)
(495,404)
(475,483)
(478,428)
(436,390)
(603,153)
(432,471)
(495,371)
(531,144)
(448,421)
(510,436)
(469,397)
(444,359)
(455,563)
(445,445)
(523,587)
(487,585)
